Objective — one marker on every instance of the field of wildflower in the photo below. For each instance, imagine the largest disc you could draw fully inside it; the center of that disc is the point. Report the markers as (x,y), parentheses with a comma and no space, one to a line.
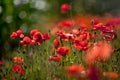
(77,48)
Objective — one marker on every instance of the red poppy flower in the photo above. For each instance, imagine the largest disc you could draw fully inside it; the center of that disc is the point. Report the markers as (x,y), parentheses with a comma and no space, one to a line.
(63,51)
(80,44)
(65,8)
(18,69)
(56,43)
(18,59)
(46,36)
(66,23)
(83,26)
(65,36)
(1,63)
(95,21)
(84,35)
(100,51)
(38,37)
(111,74)
(108,34)
(26,40)
(75,31)
(19,32)
(22,71)
(93,73)
(74,69)
(21,35)
(98,26)
(32,42)
(32,32)
(115,21)
(23,43)
(56,58)
(13,35)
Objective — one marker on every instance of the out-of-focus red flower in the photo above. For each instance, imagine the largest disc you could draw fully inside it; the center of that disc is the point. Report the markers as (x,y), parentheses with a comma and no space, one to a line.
(56,58)
(22,71)
(106,31)
(55,30)
(74,70)
(65,8)
(66,23)
(83,26)
(63,51)
(46,36)
(114,22)
(1,63)
(100,51)
(18,69)
(56,43)
(111,74)
(12,78)
(13,35)
(32,32)
(98,26)
(38,37)
(95,21)
(18,59)
(93,73)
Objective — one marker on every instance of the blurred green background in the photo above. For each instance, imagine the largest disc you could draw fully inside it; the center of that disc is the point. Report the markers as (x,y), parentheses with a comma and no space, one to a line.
(41,14)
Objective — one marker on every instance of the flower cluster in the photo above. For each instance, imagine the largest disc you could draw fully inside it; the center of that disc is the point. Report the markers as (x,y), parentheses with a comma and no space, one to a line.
(80,47)
(91,37)
(17,34)
(107,30)
(18,69)
(36,37)
(60,52)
